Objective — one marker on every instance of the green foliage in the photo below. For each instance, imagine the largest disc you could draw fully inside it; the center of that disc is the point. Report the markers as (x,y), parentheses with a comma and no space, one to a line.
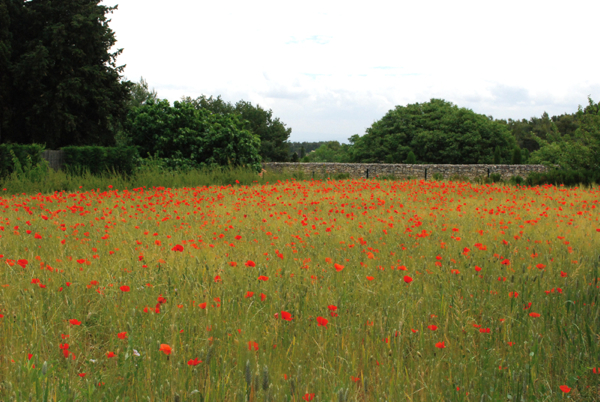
(567,177)
(308,146)
(331,151)
(272,132)
(12,155)
(302,152)
(188,137)
(411,159)
(97,160)
(495,178)
(295,157)
(517,180)
(571,141)
(141,94)
(517,158)
(497,156)
(59,83)
(437,132)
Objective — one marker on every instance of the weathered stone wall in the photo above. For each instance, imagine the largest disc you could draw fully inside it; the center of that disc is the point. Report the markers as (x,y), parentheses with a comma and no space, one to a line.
(401,171)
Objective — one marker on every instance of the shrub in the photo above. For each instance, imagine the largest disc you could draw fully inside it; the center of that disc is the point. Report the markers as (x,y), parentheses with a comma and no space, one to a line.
(22,152)
(98,160)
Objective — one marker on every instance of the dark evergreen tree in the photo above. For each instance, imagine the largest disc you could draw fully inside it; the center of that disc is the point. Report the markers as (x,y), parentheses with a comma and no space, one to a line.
(497,156)
(302,152)
(411,159)
(295,157)
(59,83)
(516,156)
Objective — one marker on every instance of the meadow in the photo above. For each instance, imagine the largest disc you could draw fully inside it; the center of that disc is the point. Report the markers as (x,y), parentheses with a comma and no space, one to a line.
(300,290)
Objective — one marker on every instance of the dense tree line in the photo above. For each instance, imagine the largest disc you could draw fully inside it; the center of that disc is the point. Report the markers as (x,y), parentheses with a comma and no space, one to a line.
(59,84)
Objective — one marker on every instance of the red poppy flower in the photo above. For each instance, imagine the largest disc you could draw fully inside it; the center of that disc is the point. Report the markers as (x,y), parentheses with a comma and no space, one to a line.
(125,288)
(202,305)
(332,308)
(178,247)
(166,349)
(308,397)
(250,263)
(440,345)
(194,362)
(322,322)
(252,344)
(286,316)
(263,278)
(563,274)
(122,335)
(217,279)
(565,389)
(263,297)
(535,315)
(249,294)
(432,327)
(110,354)
(477,268)
(81,375)
(74,322)
(338,267)
(540,266)
(370,278)
(408,279)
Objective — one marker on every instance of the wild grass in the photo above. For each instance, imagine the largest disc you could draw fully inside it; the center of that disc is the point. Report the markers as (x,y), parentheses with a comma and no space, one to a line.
(81,266)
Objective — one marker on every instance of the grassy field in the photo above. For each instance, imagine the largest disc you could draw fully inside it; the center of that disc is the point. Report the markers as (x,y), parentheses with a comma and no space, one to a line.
(323,290)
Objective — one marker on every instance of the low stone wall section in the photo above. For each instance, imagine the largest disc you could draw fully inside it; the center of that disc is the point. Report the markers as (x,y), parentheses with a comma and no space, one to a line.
(403,171)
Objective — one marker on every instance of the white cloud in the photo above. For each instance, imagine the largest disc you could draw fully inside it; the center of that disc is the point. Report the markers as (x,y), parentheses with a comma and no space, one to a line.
(330,69)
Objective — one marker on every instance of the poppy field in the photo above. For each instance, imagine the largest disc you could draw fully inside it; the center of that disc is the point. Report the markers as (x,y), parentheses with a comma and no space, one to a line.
(322,290)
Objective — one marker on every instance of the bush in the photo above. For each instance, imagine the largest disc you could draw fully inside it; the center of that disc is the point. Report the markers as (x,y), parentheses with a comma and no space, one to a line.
(98,160)
(30,154)
(494,178)
(516,180)
(438,177)
(187,137)
(565,177)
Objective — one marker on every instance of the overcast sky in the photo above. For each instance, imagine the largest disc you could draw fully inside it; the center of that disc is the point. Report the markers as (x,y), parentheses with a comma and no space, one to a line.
(329,69)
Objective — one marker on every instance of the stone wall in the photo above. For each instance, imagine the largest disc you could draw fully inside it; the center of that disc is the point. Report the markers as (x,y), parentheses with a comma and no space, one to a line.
(402,171)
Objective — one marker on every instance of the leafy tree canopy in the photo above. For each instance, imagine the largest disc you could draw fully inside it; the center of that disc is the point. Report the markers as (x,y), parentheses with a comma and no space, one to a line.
(185,136)
(577,149)
(141,94)
(437,132)
(59,84)
(331,151)
(272,132)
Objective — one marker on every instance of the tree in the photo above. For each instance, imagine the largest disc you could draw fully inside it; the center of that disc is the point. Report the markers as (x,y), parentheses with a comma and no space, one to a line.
(497,155)
(272,132)
(578,150)
(411,159)
(184,136)
(140,94)
(60,84)
(331,151)
(302,152)
(295,157)
(436,132)
(516,156)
